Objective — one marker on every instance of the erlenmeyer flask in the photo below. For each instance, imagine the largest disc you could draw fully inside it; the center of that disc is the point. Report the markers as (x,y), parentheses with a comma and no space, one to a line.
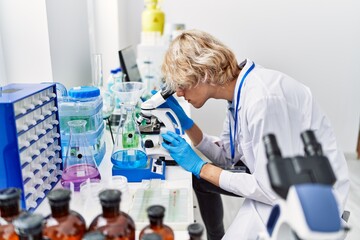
(79,164)
(129,149)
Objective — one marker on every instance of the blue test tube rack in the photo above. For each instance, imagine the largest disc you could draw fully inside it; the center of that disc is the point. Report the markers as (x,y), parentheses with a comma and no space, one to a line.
(30,146)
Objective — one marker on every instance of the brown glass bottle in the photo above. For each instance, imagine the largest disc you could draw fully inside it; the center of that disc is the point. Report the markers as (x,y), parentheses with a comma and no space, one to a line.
(151,236)
(29,227)
(113,223)
(9,210)
(62,223)
(94,236)
(156,215)
(195,231)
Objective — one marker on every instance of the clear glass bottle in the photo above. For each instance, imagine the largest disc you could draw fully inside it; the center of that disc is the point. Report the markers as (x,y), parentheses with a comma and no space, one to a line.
(195,231)
(29,227)
(9,210)
(63,223)
(156,215)
(129,151)
(79,164)
(113,223)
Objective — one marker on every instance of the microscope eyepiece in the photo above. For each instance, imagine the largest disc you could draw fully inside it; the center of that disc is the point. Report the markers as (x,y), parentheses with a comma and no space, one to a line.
(311,146)
(271,147)
(166,92)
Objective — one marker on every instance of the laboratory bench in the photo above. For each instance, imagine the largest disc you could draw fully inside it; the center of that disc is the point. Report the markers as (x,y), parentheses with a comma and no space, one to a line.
(177,181)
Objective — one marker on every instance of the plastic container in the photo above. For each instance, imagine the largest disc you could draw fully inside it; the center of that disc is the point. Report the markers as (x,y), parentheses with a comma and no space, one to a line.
(84,103)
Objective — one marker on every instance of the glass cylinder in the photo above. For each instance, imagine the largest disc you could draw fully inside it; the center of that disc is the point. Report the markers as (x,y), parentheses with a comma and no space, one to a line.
(156,216)
(9,210)
(113,223)
(63,223)
(79,164)
(128,151)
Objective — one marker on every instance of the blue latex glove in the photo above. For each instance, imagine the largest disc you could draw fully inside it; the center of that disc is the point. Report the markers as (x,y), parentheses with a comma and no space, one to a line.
(171,102)
(182,153)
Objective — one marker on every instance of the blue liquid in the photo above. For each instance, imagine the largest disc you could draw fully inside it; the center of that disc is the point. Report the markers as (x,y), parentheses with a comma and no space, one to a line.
(129,159)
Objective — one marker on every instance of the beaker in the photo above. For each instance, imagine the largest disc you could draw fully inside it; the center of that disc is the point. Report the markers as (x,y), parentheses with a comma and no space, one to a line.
(79,164)
(128,149)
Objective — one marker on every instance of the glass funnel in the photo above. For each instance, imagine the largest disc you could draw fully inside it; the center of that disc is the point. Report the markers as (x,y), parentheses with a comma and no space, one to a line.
(129,149)
(79,164)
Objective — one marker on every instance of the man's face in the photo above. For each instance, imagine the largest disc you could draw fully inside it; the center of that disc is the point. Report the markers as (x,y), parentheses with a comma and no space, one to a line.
(196,96)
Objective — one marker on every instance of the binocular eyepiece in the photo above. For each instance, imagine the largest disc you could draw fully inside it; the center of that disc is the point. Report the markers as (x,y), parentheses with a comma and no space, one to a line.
(311,146)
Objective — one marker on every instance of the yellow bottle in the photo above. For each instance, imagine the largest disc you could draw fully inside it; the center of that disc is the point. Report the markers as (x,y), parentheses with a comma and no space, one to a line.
(152,17)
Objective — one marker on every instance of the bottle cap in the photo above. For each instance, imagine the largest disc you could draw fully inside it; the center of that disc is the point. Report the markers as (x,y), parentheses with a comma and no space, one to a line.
(59,197)
(28,224)
(9,196)
(156,211)
(151,236)
(84,92)
(195,230)
(110,197)
(94,236)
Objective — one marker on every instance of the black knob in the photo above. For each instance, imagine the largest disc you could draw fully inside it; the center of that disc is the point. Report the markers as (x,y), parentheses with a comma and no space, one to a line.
(149,143)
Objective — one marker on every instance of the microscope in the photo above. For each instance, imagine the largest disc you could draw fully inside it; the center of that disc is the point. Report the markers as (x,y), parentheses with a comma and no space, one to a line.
(155,118)
(308,208)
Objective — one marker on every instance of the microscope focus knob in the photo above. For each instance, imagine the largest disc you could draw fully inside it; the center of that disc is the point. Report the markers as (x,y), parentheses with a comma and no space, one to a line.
(149,143)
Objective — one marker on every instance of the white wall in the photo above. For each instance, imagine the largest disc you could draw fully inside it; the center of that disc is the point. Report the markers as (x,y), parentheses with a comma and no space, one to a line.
(25,41)
(316,42)
(69,41)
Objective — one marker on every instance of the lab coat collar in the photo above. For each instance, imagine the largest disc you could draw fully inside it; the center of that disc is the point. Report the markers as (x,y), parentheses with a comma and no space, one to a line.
(242,73)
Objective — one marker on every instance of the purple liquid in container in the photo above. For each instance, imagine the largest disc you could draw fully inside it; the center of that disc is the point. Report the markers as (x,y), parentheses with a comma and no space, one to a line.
(78,174)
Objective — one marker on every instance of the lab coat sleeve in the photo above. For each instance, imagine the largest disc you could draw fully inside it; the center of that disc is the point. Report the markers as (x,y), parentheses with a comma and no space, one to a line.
(217,150)
(267,115)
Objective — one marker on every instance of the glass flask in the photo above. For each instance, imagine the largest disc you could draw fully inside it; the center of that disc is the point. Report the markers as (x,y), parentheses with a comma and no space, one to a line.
(156,216)
(195,231)
(9,210)
(79,164)
(113,223)
(63,223)
(128,149)
(29,227)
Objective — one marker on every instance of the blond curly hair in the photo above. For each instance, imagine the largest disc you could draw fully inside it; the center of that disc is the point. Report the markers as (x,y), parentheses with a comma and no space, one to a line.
(196,56)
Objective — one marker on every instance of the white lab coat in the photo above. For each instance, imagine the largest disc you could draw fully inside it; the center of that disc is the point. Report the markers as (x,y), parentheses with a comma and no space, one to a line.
(270,102)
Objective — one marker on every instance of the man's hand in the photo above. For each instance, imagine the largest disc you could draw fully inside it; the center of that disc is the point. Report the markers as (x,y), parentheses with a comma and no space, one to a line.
(182,153)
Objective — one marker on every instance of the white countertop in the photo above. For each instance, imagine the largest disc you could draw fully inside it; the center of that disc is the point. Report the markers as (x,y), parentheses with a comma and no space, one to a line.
(175,177)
